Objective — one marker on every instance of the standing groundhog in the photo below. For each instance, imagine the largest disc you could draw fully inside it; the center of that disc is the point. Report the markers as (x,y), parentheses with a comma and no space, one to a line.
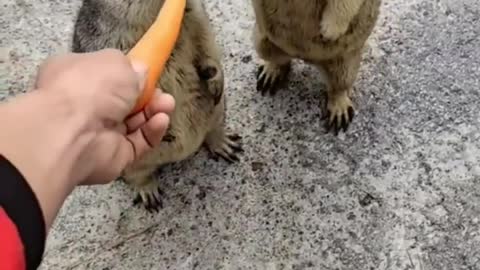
(329,34)
(193,76)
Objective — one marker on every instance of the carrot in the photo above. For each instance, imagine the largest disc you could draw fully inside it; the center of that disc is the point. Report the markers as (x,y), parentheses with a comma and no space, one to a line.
(156,46)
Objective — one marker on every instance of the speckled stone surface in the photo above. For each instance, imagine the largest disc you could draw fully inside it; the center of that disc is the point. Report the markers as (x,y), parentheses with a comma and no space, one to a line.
(400,190)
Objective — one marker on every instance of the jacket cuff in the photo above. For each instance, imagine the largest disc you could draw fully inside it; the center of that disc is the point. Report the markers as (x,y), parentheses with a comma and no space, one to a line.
(23,208)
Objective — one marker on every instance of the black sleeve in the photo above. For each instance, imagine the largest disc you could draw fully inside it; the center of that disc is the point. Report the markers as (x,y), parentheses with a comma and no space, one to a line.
(21,205)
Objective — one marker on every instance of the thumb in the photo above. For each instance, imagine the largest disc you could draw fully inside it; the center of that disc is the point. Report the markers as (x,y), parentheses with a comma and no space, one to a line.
(141,71)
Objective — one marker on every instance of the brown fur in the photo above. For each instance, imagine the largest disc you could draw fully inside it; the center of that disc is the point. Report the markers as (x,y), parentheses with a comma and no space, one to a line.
(329,34)
(193,76)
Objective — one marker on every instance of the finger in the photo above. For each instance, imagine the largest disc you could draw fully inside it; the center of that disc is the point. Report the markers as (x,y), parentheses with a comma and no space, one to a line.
(136,121)
(161,103)
(134,88)
(155,128)
(123,99)
(136,80)
(126,149)
(141,70)
(113,153)
(149,135)
(121,128)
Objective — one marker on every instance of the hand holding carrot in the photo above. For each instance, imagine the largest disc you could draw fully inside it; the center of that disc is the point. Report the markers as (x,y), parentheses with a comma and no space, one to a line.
(102,88)
(71,129)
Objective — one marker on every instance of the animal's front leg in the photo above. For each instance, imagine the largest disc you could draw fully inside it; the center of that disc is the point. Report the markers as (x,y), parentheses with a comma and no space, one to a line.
(209,61)
(275,67)
(211,72)
(224,145)
(337,16)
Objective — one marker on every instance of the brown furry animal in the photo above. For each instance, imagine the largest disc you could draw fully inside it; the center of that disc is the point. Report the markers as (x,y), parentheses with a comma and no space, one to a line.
(193,76)
(329,34)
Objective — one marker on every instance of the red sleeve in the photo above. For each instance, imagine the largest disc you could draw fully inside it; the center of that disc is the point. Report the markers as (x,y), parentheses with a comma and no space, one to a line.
(11,247)
(22,228)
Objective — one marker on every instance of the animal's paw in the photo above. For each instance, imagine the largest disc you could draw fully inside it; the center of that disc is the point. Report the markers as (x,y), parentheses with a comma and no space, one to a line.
(211,72)
(331,29)
(269,77)
(150,196)
(339,114)
(227,147)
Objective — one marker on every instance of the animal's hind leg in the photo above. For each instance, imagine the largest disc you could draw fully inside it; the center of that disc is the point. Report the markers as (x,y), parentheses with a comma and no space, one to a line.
(208,60)
(341,73)
(275,67)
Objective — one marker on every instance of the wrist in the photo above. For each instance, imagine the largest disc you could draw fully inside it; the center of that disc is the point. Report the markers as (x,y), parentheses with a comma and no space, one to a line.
(46,128)
(43,135)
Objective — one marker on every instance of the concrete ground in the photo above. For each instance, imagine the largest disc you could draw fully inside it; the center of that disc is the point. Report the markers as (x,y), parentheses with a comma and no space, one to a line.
(400,190)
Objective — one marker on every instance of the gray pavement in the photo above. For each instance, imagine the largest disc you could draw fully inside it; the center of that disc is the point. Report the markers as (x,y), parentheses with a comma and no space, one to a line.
(400,190)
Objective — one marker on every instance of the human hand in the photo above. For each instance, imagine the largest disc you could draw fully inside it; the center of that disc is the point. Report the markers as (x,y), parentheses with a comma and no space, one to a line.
(103,87)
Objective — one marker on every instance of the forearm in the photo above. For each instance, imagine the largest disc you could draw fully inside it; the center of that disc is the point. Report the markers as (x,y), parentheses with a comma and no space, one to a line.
(43,137)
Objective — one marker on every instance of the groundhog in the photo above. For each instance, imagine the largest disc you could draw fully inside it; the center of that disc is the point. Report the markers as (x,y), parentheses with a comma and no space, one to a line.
(329,34)
(193,75)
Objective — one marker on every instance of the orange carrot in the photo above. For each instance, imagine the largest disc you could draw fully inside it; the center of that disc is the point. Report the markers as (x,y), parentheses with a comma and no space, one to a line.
(156,46)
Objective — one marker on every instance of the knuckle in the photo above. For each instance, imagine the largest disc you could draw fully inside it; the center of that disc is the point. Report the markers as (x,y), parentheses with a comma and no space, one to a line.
(119,62)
